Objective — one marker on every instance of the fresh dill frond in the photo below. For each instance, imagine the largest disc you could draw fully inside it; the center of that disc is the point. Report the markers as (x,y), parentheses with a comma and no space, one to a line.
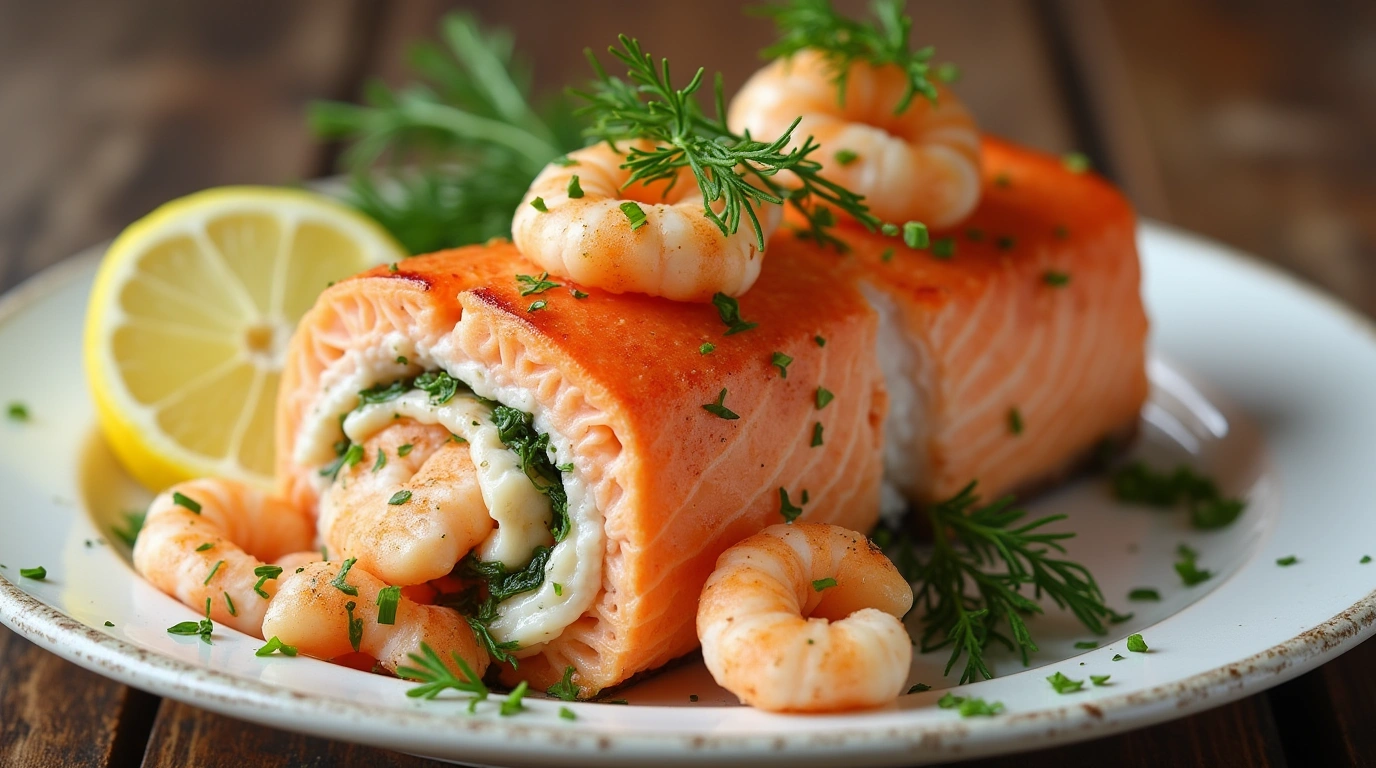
(446,160)
(435,677)
(737,174)
(972,585)
(815,25)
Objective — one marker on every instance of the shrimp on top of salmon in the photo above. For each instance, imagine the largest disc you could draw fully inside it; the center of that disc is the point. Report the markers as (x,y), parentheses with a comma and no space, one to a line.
(905,143)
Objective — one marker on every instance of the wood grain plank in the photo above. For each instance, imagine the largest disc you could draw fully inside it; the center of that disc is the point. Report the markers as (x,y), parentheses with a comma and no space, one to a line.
(113,108)
(56,715)
(184,735)
(1326,715)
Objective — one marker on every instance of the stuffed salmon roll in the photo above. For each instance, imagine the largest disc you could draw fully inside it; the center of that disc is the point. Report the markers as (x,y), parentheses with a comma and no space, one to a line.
(563,465)
(1016,341)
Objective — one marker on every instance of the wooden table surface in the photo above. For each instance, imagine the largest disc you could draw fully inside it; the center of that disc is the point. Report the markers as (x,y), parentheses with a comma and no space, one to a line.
(1250,122)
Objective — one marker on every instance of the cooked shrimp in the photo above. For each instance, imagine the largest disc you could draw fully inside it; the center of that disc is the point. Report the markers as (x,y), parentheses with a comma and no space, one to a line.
(677,253)
(920,165)
(314,614)
(423,537)
(778,634)
(203,539)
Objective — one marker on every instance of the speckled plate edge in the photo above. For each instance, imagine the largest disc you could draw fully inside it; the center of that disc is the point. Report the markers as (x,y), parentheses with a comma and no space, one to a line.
(487,740)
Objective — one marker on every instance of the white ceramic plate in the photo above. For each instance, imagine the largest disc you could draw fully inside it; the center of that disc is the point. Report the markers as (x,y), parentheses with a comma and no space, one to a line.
(1260,381)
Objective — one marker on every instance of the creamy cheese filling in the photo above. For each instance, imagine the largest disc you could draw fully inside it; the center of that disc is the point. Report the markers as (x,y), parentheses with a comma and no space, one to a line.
(573,572)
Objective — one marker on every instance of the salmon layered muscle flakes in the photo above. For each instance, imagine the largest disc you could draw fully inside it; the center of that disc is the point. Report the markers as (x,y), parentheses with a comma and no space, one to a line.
(658,485)
(1016,342)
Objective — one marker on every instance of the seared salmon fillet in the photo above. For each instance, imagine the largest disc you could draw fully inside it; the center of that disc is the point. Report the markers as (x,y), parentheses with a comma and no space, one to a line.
(1017,341)
(619,382)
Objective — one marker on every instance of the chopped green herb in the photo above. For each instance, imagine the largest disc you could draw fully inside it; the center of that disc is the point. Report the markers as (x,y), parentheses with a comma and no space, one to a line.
(845,157)
(182,500)
(558,589)
(634,214)
(707,348)
(1063,684)
(512,704)
(944,247)
(1015,421)
(339,582)
(950,701)
(974,235)
(1188,567)
(435,678)
(1005,243)
(564,161)
(531,285)
(213,569)
(203,628)
(399,498)
(40,573)
(1143,594)
(204,546)
(537,305)
(133,524)
(381,460)
(887,255)
(1288,560)
(821,342)
(388,598)
(515,428)
(567,713)
(1209,509)
(781,361)
(919,688)
(275,645)
(402,450)
(729,310)
(1086,644)
(265,572)
(229,604)
(979,707)
(1118,657)
(1136,644)
(564,689)
(577,294)
(1365,559)
(821,584)
(109,623)
(539,204)
(915,235)
(1075,162)
(1056,279)
(947,72)
(575,191)
(18,412)
(355,626)
(816,434)
(824,397)
(719,408)
(692,697)
(786,508)
(1061,232)
(439,385)
(392,267)
(889,230)
(350,455)
(1099,679)
(1003,180)
(616,701)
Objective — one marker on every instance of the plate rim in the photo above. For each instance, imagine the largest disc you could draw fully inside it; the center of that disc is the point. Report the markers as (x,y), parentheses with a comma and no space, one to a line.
(556,742)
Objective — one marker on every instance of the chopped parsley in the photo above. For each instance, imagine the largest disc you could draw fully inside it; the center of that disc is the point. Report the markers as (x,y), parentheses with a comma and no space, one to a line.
(558,589)
(565,689)
(1056,279)
(1365,559)
(349,454)
(824,397)
(1118,657)
(969,707)
(530,285)
(204,547)
(387,600)
(399,498)
(499,584)
(729,310)
(707,348)
(516,431)
(821,342)
(781,361)
(339,582)
(187,502)
(213,570)
(537,305)
(392,267)
(18,412)
(1063,684)
(919,688)
(133,524)
(887,255)
(109,623)
(692,697)
(381,460)
(1136,644)
(265,572)
(1075,162)
(275,645)
(539,204)
(786,508)
(577,294)
(1014,421)
(821,584)
(40,573)
(1086,644)
(719,408)
(944,247)
(567,713)
(846,157)
(1139,484)
(355,626)
(915,235)
(634,214)
(1144,593)
(1005,243)
(575,190)
(402,450)
(1287,561)
(1099,679)
(203,629)
(816,434)
(1187,565)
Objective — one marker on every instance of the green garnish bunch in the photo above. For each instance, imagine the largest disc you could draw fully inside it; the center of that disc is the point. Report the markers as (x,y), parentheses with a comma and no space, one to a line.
(972,586)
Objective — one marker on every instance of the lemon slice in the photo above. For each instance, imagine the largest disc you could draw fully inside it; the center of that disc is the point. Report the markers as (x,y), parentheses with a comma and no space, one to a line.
(189,319)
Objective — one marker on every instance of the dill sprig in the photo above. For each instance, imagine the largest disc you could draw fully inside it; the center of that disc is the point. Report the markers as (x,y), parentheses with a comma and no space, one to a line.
(972,585)
(815,25)
(446,160)
(736,173)
(435,677)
